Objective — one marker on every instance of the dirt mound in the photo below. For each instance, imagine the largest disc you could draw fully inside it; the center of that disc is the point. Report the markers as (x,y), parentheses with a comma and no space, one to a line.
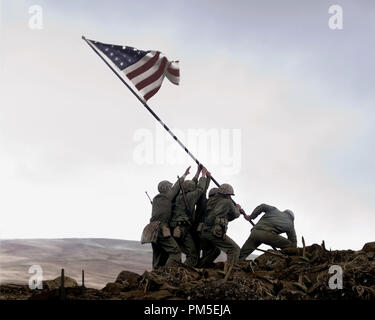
(302,274)
(292,274)
(55,283)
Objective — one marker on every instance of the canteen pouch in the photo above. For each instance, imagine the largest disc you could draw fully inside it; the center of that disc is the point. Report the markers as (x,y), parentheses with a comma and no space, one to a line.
(218,231)
(150,232)
(177,232)
(220,228)
(165,231)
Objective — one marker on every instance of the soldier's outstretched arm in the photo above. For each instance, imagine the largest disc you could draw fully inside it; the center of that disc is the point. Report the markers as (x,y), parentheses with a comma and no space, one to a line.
(176,187)
(208,180)
(199,170)
(196,194)
(234,212)
(259,209)
(203,183)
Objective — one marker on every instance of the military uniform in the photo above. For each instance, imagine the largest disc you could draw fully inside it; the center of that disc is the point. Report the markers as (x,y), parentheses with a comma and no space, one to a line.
(268,230)
(220,210)
(201,205)
(200,212)
(166,249)
(183,219)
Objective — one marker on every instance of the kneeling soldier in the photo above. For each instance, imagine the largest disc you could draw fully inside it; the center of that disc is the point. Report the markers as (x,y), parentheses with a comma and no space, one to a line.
(268,230)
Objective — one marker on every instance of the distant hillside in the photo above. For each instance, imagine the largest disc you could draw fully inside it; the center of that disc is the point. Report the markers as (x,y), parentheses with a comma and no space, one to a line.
(102,259)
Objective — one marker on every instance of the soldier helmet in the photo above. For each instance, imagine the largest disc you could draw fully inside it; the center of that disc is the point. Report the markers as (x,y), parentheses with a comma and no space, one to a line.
(189,185)
(226,189)
(290,212)
(164,186)
(212,192)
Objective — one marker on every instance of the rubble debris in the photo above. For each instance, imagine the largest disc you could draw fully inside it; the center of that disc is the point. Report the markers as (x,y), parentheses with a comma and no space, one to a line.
(129,280)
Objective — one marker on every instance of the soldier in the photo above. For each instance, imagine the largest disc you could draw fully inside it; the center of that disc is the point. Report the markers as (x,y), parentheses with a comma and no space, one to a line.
(220,210)
(269,228)
(202,207)
(203,244)
(200,212)
(202,203)
(165,250)
(183,215)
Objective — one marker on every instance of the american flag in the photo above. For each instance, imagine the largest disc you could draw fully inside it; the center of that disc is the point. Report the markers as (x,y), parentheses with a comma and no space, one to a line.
(145,69)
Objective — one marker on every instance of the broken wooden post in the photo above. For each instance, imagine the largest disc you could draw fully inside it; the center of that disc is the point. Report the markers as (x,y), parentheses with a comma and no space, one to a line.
(273,253)
(304,247)
(229,271)
(62,286)
(324,245)
(83,278)
(300,279)
(146,286)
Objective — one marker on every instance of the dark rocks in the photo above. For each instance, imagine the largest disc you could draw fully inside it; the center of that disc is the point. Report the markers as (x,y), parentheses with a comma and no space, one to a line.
(369,248)
(286,294)
(128,279)
(113,288)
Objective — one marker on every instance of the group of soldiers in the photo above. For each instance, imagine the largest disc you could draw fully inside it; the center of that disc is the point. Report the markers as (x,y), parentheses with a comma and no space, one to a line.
(186,221)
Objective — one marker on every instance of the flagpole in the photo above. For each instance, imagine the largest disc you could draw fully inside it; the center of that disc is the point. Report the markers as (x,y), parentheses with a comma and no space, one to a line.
(152,112)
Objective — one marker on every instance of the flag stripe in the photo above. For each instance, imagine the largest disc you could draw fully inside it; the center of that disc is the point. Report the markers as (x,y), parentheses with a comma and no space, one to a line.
(153,77)
(147,73)
(175,72)
(144,67)
(173,79)
(152,85)
(140,62)
(151,93)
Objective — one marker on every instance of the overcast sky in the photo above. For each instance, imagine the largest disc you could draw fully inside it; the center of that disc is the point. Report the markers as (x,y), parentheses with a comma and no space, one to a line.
(294,98)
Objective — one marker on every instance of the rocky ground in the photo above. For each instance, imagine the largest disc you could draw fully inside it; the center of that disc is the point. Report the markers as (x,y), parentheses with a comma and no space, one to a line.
(292,274)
